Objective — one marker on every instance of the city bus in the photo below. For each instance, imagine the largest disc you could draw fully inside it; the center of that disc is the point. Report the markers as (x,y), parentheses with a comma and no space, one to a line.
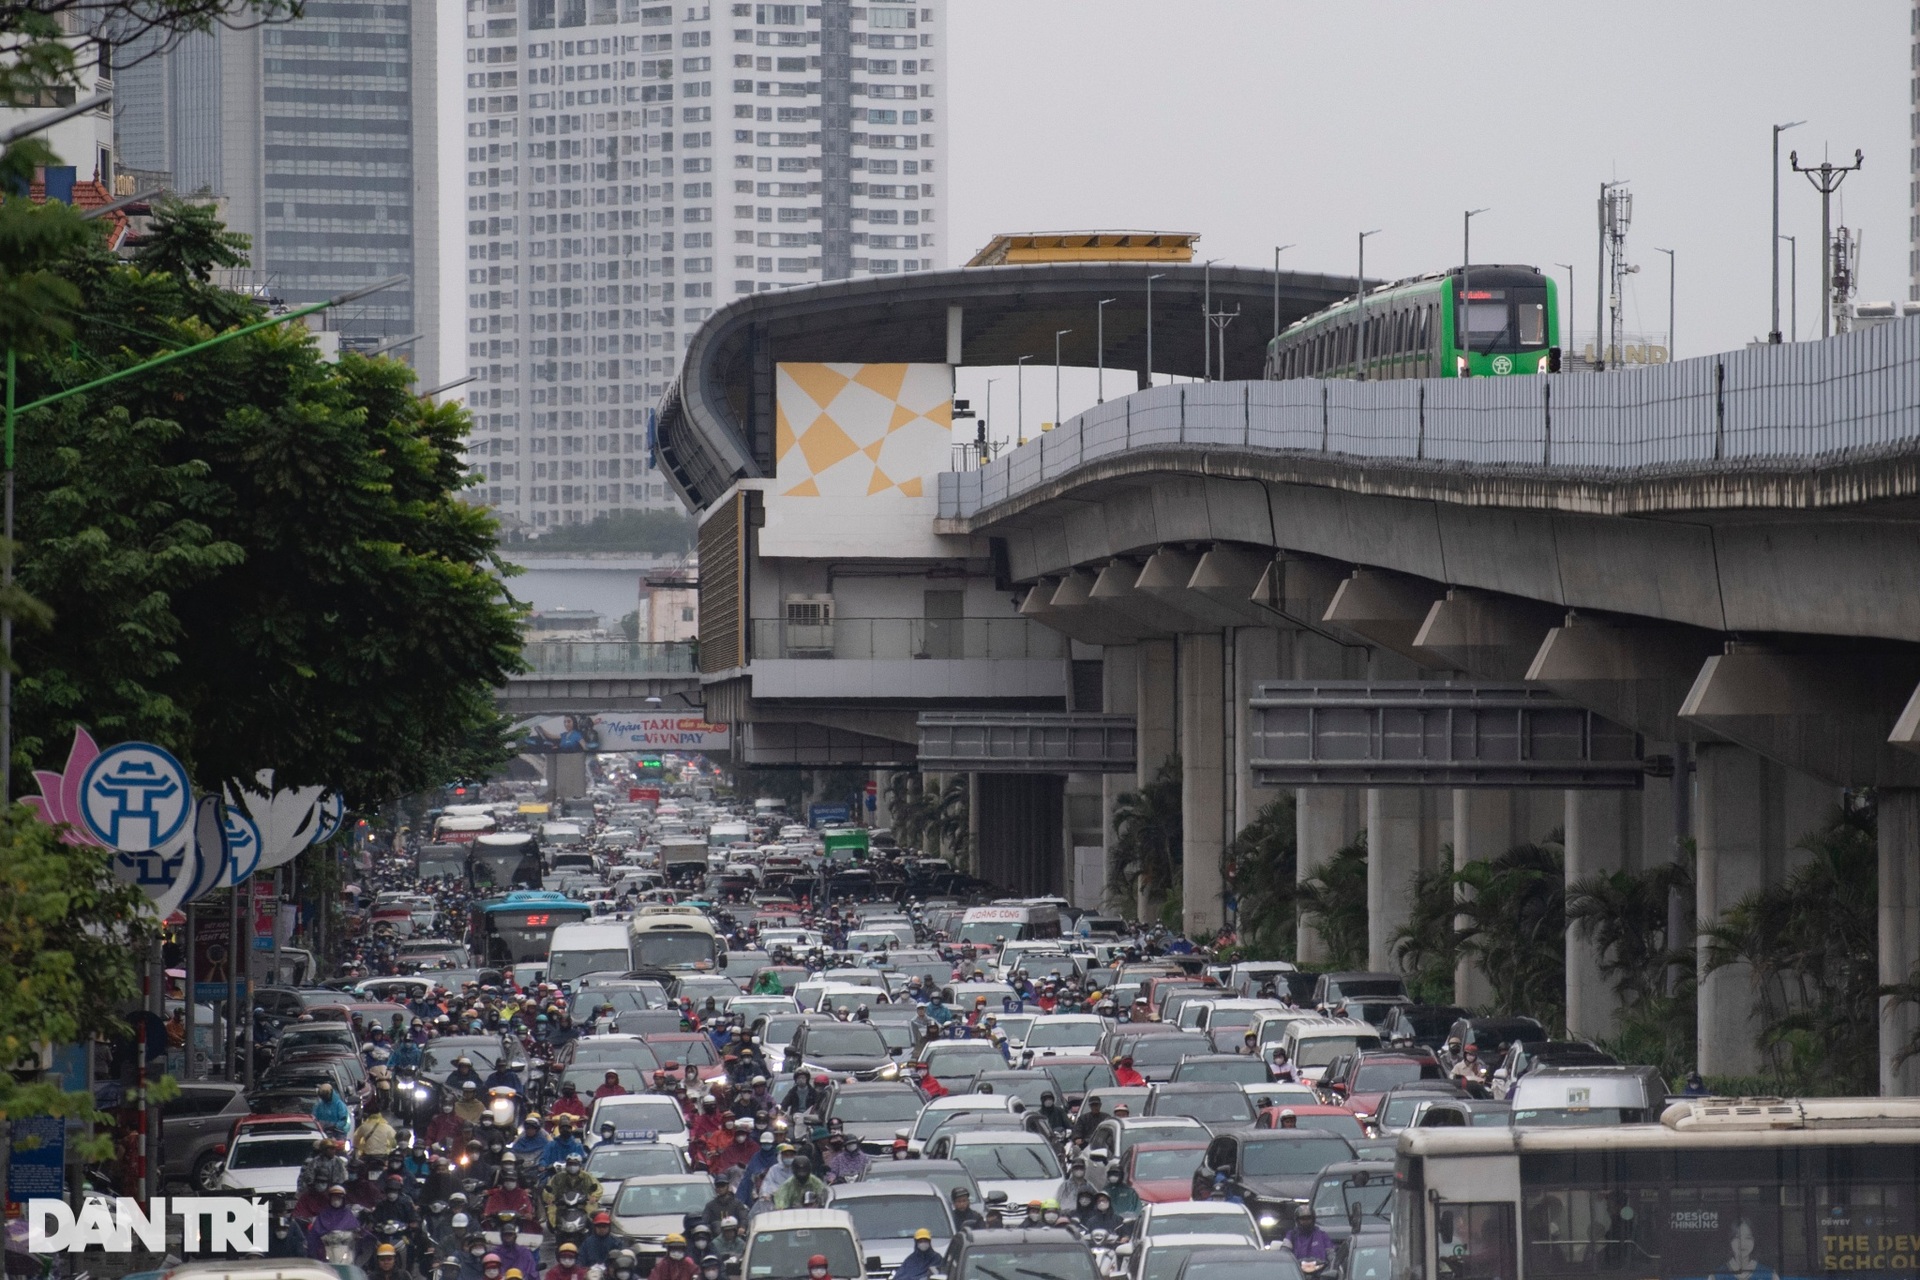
(518,928)
(1759,1188)
(503,860)
(674,937)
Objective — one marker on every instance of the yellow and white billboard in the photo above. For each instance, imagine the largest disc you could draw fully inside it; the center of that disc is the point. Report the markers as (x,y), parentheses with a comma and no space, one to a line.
(857,449)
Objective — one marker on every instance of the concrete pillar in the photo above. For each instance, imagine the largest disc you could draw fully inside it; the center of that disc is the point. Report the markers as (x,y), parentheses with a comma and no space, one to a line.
(882,816)
(1156,728)
(1393,858)
(1899,936)
(1751,813)
(566,775)
(1120,696)
(1482,829)
(1599,834)
(1325,819)
(1256,659)
(1203,788)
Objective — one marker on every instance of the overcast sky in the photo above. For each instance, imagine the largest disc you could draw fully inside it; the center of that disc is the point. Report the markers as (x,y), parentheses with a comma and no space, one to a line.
(1263,122)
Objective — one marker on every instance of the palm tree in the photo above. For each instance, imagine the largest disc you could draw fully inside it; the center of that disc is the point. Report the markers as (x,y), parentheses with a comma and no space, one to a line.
(1259,865)
(1516,926)
(1147,841)
(1335,900)
(1624,914)
(1429,945)
(951,819)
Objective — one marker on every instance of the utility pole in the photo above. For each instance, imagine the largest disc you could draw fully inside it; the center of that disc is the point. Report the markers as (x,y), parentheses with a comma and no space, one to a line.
(1100,311)
(1220,320)
(1670,296)
(1161,275)
(1360,300)
(1826,179)
(1466,273)
(1057,335)
(1206,320)
(1773,334)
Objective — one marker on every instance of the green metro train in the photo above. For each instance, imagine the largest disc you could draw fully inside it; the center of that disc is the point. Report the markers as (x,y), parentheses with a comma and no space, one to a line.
(1507,323)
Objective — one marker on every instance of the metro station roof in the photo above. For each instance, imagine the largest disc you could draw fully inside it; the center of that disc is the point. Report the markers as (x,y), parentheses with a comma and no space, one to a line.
(1086,246)
(716,423)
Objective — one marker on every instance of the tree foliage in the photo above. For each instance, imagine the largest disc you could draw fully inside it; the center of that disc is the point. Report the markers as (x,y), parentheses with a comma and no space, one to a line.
(1505,914)
(932,817)
(69,935)
(1146,860)
(1260,866)
(188,241)
(1334,900)
(253,557)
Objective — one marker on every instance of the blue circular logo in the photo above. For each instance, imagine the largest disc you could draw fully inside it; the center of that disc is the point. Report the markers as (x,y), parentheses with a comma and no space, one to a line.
(135,797)
(243,846)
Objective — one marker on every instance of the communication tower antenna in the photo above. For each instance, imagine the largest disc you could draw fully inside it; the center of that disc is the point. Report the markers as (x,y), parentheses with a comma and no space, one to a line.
(1844,255)
(1617,213)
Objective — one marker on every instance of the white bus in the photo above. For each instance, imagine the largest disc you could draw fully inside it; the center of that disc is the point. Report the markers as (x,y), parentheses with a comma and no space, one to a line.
(1760,1188)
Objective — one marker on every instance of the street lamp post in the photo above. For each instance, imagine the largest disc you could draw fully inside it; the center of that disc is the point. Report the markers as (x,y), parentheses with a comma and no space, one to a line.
(1057,335)
(13,412)
(1206,320)
(1773,334)
(1100,325)
(1020,403)
(1161,275)
(1466,275)
(1360,297)
(1278,250)
(1669,254)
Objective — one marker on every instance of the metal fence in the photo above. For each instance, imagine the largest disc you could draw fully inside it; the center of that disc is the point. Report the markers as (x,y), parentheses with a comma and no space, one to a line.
(609,658)
(1798,403)
(905,638)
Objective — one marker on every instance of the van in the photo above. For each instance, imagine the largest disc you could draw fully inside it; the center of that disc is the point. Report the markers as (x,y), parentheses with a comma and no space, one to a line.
(1332,988)
(1313,1043)
(590,946)
(1593,1096)
(780,1242)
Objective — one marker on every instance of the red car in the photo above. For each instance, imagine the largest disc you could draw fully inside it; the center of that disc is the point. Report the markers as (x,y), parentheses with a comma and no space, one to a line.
(1368,1076)
(1163,1171)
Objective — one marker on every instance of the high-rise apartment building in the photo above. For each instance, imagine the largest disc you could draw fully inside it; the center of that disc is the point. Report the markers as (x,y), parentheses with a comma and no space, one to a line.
(322,137)
(633,165)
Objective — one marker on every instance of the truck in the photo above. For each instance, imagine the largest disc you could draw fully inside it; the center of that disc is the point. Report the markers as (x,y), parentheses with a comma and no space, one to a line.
(681,855)
(843,844)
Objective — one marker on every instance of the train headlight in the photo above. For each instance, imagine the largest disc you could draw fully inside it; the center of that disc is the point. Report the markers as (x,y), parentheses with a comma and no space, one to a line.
(1459,366)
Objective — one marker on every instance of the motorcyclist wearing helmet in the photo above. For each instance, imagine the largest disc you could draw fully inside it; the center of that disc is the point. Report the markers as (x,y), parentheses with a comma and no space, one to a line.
(675,1265)
(922,1262)
(337,1216)
(509,1197)
(573,1176)
(1308,1242)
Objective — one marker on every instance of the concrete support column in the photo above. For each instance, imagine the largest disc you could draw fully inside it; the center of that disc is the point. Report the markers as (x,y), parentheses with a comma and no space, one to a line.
(1119,696)
(1751,814)
(1899,936)
(1156,730)
(566,775)
(1482,829)
(1203,789)
(1598,838)
(1324,820)
(882,817)
(1393,858)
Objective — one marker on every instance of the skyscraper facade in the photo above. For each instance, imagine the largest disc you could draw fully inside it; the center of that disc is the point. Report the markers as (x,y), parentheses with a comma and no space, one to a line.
(630,167)
(322,137)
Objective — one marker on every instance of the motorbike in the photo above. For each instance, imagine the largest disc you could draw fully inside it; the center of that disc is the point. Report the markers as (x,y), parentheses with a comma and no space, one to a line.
(340,1248)
(570,1218)
(399,1236)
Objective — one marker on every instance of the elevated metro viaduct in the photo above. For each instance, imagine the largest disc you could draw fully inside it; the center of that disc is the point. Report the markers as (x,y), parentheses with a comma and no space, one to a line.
(1392,596)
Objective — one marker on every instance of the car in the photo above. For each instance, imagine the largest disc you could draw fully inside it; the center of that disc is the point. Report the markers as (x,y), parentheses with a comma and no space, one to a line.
(1155,1057)
(1197,1218)
(1273,1171)
(1228,1068)
(1375,1011)
(1162,1171)
(871,1112)
(266,1164)
(614,1162)
(651,1207)
(1316,1115)
(1463,1113)
(438,1057)
(641,1113)
(1018,1254)
(1025,1085)
(934,1112)
(1368,1075)
(840,1048)
(1241,1263)
(1023,1165)
(1161,1258)
(954,1062)
(1398,1106)
(781,1240)
(1419,1024)
(1491,1036)
(1113,1137)
(1332,989)
(277,1122)
(941,1138)
(308,1034)
(1367,1256)
(1353,1194)
(886,1214)
(944,1174)
(1523,1056)
(1219,1106)
(195,1128)
(1064,1034)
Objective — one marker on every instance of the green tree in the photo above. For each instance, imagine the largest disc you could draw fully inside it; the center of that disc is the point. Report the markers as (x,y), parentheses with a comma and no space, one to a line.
(252,556)
(69,935)
(1429,946)
(1624,914)
(659,532)
(1516,928)
(1259,865)
(188,241)
(1809,946)
(1334,900)
(1147,839)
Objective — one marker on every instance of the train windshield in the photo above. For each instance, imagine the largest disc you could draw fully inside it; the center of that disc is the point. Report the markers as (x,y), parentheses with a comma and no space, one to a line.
(1506,318)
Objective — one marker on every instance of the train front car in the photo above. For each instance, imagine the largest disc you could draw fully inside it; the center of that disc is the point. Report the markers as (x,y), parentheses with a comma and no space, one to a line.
(1506,323)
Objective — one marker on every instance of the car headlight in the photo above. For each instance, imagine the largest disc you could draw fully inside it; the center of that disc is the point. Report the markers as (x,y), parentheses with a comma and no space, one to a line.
(1268,1220)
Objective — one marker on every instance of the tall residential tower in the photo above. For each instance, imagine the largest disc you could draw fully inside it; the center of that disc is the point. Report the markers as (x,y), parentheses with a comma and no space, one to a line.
(633,165)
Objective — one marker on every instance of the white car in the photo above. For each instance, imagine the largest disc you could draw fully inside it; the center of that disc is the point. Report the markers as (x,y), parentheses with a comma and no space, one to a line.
(939,1109)
(1069,1034)
(1022,1164)
(636,1115)
(266,1164)
(1198,1217)
(651,1207)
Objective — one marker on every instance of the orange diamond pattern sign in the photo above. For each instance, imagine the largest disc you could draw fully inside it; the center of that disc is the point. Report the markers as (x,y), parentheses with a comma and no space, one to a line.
(861,431)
